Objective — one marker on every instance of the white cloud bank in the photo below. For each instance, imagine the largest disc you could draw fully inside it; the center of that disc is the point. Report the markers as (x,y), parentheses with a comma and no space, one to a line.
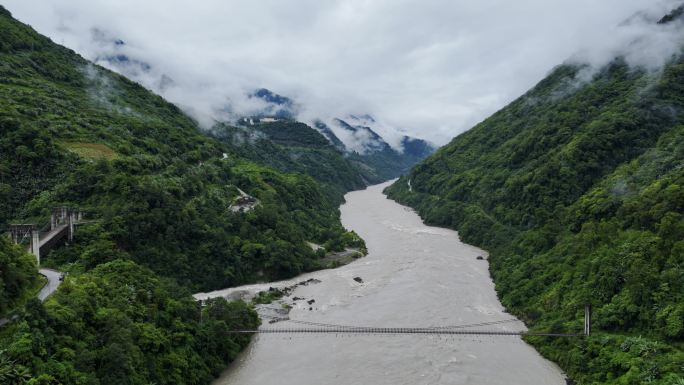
(432,67)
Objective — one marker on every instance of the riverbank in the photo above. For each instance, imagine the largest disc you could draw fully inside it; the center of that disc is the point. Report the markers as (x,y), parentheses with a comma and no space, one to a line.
(413,276)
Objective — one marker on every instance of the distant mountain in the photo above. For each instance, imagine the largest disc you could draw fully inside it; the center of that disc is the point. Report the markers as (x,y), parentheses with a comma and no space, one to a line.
(278,106)
(363,128)
(677,14)
(271,97)
(417,149)
(362,139)
(353,137)
(112,54)
(376,158)
(327,132)
(291,146)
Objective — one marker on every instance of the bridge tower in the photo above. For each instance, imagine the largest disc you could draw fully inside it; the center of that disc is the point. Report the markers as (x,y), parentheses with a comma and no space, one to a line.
(587,320)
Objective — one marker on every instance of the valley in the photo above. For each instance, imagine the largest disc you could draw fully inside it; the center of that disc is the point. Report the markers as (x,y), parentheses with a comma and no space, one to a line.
(214,206)
(413,276)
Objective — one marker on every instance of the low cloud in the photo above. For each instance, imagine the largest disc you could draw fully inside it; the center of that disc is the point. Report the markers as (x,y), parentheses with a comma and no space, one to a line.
(432,68)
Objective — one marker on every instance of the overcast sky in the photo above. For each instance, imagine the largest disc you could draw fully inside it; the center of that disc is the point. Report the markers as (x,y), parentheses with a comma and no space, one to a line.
(431,67)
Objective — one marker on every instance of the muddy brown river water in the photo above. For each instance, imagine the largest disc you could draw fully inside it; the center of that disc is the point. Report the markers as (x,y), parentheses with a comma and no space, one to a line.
(414,276)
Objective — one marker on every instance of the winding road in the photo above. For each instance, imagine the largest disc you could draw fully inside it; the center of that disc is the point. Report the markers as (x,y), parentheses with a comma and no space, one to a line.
(47,290)
(52,285)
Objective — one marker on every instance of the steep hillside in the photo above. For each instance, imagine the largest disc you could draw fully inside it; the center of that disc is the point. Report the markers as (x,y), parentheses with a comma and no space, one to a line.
(301,148)
(75,134)
(164,220)
(17,275)
(577,189)
(292,146)
(371,154)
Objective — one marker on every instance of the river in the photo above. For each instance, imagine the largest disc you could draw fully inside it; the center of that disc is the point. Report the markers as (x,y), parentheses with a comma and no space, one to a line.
(414,276)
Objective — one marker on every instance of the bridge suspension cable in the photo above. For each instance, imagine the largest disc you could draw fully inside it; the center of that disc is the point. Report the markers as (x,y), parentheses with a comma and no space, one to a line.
(326,328)
(370,331)
(448,327)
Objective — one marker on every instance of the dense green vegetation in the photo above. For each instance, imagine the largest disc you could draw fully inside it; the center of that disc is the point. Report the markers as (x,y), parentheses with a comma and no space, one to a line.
(17,274)
(122,324)
(158,193)
(161,189)
(292,133)
(379,162)
(293,147)
(577,189)
(382,165)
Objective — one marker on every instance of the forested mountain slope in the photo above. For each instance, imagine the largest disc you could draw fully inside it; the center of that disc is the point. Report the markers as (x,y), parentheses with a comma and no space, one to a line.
(17,274)
(77,135)
(159,195)
(371,154)
(292,146)
(577,189)
(273,136)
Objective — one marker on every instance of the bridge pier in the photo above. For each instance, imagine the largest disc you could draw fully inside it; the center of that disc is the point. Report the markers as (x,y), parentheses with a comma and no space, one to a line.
(59,216)
(72,220)
(62,222)
(35,245)
(62,215)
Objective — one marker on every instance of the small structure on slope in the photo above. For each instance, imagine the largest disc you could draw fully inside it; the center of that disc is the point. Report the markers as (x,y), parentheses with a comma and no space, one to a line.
(244,203)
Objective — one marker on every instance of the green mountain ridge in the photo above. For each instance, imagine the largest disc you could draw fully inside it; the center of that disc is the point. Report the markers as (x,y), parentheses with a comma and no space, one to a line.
(377,160)
(159,194)
(577,190)
(291,146)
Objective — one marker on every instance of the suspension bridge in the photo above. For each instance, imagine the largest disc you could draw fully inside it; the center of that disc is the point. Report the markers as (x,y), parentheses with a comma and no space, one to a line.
(453,330)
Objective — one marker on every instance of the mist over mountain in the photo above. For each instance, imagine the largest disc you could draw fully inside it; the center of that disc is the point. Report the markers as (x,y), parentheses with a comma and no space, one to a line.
(457,63)
(354,133)
(369,153)
(212,144)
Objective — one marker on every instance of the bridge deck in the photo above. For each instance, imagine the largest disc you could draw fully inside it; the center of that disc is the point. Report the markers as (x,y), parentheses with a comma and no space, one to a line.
(50,235)
(402,331)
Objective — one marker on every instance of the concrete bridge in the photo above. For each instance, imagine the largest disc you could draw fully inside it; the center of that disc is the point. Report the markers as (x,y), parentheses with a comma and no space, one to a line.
(62,224)
(40,240)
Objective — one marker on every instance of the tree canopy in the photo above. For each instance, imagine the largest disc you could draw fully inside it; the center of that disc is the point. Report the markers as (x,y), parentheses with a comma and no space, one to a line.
(576,189)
